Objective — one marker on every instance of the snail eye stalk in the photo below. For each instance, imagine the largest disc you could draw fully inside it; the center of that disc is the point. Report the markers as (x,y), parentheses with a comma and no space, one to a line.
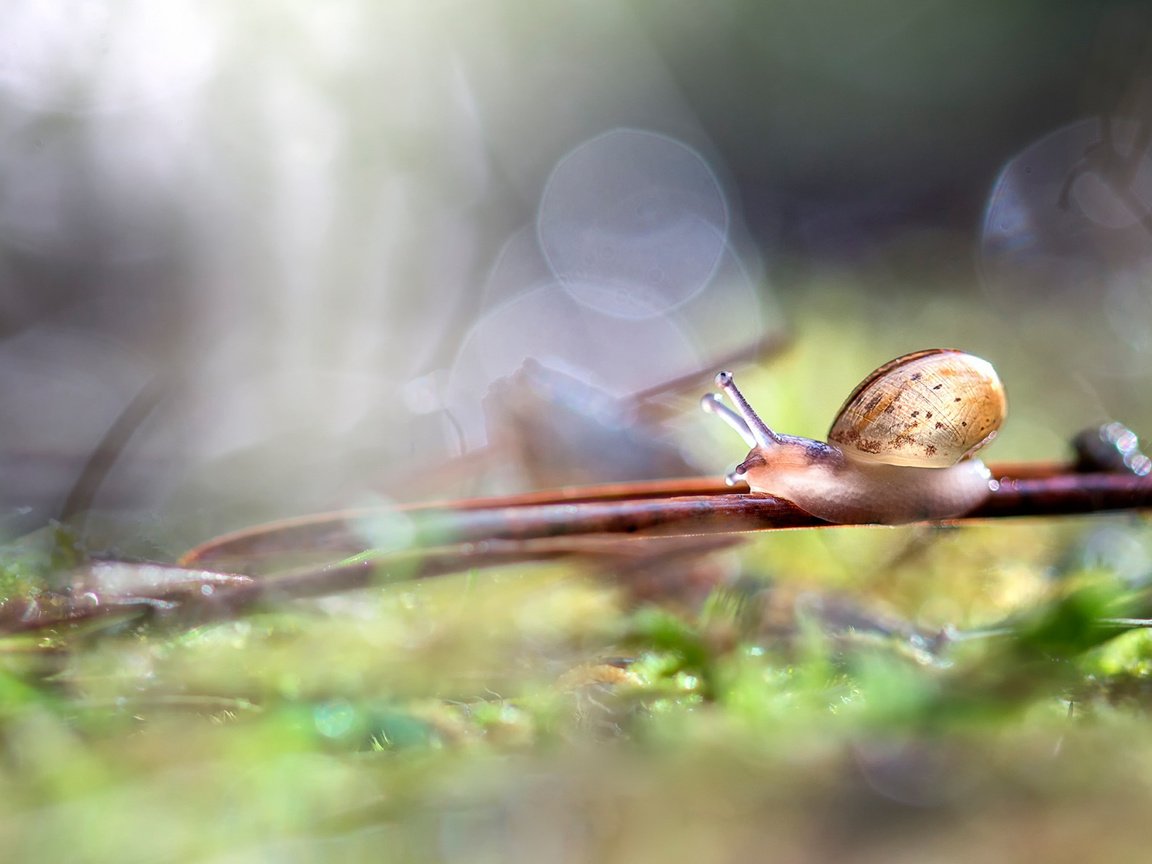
(757,428)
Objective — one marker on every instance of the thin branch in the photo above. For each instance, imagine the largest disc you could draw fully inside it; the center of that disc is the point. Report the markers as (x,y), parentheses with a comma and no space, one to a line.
(209,595)
(681,507)
(616,526)
(101,460)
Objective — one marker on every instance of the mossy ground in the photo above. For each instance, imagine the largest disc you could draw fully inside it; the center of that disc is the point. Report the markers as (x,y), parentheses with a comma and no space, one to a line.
(971,708)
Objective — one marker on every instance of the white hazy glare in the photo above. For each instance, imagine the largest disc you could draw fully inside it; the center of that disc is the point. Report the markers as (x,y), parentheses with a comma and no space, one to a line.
(291,212)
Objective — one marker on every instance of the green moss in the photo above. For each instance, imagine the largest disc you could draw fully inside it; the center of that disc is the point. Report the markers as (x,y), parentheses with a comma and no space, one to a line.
(853,694)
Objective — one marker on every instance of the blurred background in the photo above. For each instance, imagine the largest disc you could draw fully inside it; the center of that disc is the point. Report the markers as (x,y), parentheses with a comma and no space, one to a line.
(265,258)
(273,257)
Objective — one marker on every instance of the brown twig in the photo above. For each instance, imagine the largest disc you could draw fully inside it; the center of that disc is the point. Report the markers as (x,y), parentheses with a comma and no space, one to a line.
(101,460)
(679,507)
(517,531)
(209,595)
(586,524)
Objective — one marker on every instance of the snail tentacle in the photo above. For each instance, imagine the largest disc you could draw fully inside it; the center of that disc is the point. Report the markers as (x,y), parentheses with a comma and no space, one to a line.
(762,435)
(711,404)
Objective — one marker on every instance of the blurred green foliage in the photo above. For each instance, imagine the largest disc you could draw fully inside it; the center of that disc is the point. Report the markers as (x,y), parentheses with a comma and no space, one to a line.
(853,694)
(847,694)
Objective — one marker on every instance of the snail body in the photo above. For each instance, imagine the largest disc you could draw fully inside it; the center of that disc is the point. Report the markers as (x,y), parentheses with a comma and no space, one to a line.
(900,449)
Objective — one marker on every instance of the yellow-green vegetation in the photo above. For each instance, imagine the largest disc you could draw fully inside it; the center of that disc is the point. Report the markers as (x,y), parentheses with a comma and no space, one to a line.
(526,715)
(865,695)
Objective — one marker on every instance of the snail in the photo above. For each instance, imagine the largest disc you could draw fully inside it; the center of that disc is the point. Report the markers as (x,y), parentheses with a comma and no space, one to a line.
(900,449)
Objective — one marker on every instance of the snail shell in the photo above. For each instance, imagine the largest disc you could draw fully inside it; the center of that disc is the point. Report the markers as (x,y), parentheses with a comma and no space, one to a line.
(929,409)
